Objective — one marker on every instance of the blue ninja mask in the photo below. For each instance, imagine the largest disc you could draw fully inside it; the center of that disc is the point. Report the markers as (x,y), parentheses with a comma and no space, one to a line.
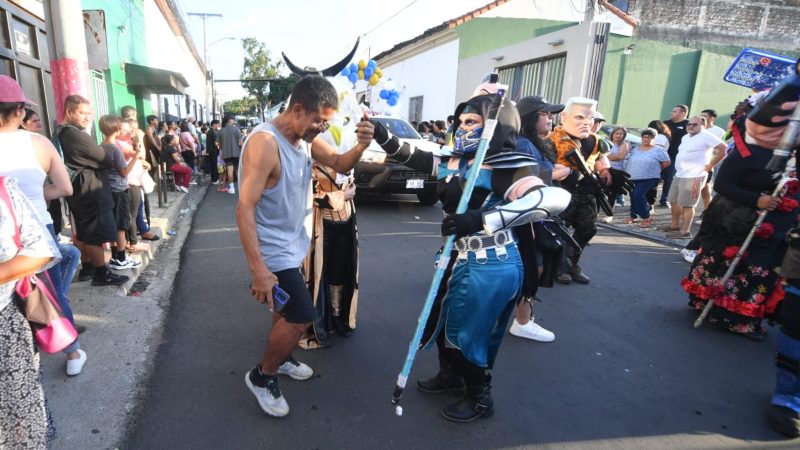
(466,141)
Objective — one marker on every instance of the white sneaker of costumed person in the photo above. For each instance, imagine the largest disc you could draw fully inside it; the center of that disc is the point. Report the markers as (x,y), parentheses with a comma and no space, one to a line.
(531,331)
(231,189)
(688,255)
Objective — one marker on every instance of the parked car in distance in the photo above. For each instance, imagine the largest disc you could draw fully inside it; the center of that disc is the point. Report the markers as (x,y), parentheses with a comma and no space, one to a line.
(375,175)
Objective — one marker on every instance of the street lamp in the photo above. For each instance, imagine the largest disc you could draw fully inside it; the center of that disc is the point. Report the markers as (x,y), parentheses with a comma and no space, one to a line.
(208,68)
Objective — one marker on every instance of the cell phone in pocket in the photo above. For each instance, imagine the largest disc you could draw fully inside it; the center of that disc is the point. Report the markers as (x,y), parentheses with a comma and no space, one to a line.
(279,298)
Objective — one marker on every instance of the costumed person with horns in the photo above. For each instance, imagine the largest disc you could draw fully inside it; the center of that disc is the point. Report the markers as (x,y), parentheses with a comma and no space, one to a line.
(487,272)
(584,153)
(331,267)
(274,218)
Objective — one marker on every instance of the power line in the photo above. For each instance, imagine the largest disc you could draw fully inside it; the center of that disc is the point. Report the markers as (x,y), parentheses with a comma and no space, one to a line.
(389,18)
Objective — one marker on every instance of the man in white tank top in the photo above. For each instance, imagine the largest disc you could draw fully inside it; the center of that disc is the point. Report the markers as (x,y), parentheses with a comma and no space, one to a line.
(274,205)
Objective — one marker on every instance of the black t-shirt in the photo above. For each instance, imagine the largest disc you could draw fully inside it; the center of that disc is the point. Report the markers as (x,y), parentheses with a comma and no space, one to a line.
(211,141)
(166,155)
(90,165)
(678,130)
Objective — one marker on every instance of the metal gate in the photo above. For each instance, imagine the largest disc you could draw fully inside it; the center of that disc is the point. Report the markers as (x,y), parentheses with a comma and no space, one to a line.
(544,77)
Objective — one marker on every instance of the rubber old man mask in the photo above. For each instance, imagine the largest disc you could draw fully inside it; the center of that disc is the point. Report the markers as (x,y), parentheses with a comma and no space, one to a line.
(578,116)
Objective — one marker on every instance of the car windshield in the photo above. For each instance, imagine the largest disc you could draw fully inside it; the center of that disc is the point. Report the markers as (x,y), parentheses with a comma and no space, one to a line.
(398,127)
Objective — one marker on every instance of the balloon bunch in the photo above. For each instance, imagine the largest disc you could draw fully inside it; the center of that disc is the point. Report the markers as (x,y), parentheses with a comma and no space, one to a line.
(391,96)
(364,70)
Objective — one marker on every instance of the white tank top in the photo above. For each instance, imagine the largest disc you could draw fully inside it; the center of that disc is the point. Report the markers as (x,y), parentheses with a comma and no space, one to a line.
(17,160)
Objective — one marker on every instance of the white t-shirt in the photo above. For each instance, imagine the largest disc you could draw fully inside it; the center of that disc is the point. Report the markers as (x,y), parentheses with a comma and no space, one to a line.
(662,141)
(716,131)
(694,153)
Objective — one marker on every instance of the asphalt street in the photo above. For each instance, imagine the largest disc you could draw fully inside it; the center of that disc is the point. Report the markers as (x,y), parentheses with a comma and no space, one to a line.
(626,370)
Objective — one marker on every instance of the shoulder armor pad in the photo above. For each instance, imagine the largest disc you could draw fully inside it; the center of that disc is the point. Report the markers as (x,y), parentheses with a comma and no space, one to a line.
(510,160)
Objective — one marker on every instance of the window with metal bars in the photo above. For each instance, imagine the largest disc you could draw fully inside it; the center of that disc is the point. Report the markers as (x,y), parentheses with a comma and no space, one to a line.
(543,77)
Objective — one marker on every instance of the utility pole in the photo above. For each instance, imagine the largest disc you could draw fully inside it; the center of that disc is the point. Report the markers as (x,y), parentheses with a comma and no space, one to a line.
(204,16)
(69,63)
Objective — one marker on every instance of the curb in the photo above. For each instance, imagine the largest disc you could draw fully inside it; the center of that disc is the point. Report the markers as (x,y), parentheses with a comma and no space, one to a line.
(641,235)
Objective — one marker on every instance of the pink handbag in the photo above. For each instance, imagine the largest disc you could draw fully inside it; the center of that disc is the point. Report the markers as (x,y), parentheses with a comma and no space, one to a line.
(51,329)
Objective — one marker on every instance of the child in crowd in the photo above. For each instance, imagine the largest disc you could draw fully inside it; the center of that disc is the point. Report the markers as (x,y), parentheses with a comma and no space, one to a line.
(111,127)
(223,175)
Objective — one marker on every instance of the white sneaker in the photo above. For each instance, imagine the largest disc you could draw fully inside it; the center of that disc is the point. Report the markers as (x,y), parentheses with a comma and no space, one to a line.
(269,398)
(74,366)
(531,331)
(231,189)
(215,182)
(128,263)
(193,183)
(688,255)
(295,369)
(182,189)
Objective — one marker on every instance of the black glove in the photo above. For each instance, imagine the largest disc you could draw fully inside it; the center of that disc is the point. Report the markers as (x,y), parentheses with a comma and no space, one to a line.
(463,224)
(381,134)
(620,182)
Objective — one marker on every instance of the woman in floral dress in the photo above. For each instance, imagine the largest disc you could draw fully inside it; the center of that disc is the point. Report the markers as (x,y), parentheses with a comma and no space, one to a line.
(744,187)
(23,421)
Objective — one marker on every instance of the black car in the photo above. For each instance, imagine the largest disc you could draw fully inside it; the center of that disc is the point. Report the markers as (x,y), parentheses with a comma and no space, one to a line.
(374,175)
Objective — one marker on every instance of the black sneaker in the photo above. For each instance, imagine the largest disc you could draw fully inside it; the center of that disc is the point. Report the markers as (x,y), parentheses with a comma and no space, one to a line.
(86,274)
(110,279)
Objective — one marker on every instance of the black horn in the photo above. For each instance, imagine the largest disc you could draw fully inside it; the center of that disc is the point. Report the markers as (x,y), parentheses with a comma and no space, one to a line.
(329,72)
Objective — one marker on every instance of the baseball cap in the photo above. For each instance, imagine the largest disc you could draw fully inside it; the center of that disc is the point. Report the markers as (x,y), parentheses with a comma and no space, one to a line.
(11,92)
(599,117)
(533,103)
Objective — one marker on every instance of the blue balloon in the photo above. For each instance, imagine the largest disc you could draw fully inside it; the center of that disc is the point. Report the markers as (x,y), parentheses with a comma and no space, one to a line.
(353,67)
(367,72)
(392,101)
(345,72)
(384,94)
(372,64)
(353,77)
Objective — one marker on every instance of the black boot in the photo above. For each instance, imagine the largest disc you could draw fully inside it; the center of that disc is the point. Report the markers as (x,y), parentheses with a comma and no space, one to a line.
(785,420)
(578,276)
(478,403)
(447,380)
(341,327)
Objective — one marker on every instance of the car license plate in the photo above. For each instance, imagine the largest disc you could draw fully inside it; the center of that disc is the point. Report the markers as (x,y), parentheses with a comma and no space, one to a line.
(415,184)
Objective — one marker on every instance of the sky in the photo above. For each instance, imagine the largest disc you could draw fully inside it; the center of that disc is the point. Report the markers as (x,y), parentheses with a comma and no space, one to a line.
(314,33)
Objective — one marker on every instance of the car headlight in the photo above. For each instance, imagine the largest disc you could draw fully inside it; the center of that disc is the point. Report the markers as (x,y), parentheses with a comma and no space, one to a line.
(374,156)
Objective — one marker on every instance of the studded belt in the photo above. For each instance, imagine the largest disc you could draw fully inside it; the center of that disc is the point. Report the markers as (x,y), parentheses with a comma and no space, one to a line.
(484,242)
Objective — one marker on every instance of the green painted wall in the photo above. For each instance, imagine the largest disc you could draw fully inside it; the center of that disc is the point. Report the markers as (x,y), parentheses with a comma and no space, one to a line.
(124,46)
(656,76)
(481,35)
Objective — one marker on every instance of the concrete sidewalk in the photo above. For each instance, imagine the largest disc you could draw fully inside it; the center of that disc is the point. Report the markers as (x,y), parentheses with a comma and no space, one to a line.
(661,217)
(124,327)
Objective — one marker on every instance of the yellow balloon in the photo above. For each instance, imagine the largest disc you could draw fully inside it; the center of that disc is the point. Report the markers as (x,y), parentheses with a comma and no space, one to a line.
(373,80)
(360,74)
(378,73)
(362,64)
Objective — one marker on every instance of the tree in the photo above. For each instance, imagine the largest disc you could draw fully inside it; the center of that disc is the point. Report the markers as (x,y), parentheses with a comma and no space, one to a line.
(259,65)
(245,106)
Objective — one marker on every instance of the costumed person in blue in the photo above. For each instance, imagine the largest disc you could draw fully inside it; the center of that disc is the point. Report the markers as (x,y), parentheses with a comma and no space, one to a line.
(493,264)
